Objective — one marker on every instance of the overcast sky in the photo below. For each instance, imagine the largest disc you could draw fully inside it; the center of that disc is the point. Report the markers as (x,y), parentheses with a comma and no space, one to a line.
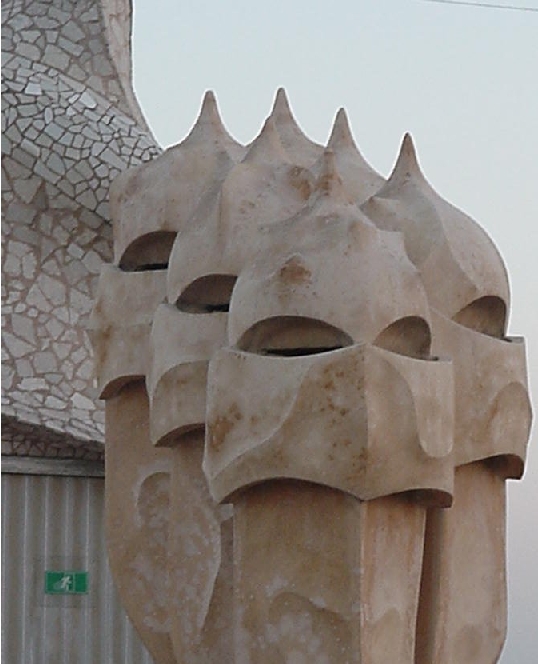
(462,80)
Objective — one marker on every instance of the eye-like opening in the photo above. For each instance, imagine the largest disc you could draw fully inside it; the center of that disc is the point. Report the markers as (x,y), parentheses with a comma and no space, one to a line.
(208,294)
(293,336)
(149,252)
(408,336)
(190,433)
(486,315)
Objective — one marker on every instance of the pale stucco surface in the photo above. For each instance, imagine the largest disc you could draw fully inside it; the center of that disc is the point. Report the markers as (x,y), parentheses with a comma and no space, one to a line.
(323,354)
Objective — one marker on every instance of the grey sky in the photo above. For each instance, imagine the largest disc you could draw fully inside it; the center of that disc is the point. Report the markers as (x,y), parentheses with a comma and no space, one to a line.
(462,80)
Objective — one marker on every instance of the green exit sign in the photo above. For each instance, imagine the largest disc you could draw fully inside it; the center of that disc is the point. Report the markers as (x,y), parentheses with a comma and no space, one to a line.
(66,582)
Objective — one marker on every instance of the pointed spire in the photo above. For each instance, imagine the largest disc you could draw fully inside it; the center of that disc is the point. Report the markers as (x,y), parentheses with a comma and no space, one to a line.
(281,107)
(209,109)
(341,136)
(359,178)
(267,147)
(300,148)
(209,115)
(210,128)
(406,165)
(282,115)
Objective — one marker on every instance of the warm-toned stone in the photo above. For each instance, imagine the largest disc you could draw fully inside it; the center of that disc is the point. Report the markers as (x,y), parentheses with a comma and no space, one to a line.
(492,407)
(463,597)
(200,560)
(181,345)
(121,323)
(457,261)
(318,576)
(361,419)
(137,485)
(330,392)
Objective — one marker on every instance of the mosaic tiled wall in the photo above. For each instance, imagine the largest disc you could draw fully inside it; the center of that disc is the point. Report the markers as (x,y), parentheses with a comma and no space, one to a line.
(70,123)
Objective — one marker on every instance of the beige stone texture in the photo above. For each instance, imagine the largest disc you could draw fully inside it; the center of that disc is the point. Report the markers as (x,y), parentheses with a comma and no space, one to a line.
(137,489)
(157,201)
(457,261)
(120,325)
(462,616)
(361,419)
(493,412)
(200,561)
(306,584)
(333,395)
(172,554)
(467,287)
(181,345)
(293,273)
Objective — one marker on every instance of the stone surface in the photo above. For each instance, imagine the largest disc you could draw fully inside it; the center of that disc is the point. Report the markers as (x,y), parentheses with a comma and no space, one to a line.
(463,603)
(361,419)
(137,538)
(329,401)
(317,577)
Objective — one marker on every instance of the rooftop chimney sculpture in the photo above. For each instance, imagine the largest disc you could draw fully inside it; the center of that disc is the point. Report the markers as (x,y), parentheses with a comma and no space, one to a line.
(311,406)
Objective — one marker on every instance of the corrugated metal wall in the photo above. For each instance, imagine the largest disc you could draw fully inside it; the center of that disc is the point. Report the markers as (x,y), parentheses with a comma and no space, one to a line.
(56,523)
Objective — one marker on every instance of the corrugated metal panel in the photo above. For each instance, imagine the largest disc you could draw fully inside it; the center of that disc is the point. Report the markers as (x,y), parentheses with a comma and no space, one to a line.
(56,523)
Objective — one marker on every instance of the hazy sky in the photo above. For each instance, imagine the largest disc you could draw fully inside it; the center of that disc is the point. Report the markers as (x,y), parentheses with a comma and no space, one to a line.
(462,80)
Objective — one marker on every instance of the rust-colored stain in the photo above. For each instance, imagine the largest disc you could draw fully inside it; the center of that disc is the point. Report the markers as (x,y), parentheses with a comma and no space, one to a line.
(294,272)
(358,463)
(131,189)
(98,309)
(105,334)
(299,182)
(222,425)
